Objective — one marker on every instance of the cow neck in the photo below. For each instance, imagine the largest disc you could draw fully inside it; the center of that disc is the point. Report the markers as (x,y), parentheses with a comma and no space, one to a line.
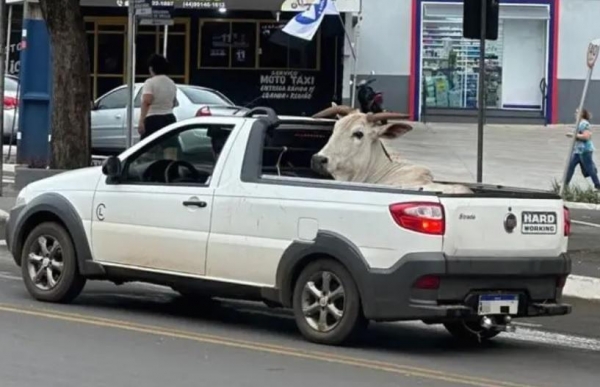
(380,165)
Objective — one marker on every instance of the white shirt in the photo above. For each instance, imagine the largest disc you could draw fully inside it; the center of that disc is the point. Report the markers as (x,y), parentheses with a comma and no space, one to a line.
(164,91)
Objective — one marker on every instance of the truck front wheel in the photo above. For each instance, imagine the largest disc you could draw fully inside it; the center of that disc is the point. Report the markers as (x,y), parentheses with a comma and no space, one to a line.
(326,303)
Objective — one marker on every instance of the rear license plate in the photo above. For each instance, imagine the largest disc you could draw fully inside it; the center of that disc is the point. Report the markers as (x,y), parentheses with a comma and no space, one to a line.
(498,304)
(534,222)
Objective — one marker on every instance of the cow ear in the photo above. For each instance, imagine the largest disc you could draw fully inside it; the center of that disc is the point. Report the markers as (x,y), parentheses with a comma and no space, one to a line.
(395,130)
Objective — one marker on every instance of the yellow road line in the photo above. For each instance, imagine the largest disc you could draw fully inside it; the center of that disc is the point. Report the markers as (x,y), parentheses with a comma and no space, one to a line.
(262,347)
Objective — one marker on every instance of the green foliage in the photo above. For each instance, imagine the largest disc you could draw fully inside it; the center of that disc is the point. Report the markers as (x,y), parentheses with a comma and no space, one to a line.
(577,194)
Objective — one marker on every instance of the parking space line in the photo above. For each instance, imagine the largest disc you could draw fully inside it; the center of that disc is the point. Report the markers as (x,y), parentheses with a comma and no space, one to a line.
(588,224)
(262,347)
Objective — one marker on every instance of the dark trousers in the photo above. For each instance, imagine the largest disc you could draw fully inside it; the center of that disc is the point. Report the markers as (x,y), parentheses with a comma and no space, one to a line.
(586,163)
(157,122)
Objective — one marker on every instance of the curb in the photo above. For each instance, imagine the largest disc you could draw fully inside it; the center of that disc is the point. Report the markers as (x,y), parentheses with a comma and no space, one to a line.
(578,286)
(583,206)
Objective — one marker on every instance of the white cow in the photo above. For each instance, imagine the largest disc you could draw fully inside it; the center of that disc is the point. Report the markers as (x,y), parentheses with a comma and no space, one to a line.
(356,153)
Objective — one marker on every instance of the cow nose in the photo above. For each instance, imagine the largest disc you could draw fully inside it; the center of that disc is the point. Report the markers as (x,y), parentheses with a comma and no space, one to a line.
(319,161)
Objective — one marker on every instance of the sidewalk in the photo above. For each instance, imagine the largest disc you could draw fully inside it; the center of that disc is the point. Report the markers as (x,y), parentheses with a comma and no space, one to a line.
(514,155)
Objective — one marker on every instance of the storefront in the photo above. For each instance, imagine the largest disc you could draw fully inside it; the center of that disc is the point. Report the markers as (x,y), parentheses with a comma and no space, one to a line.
(226,45)
(520,65)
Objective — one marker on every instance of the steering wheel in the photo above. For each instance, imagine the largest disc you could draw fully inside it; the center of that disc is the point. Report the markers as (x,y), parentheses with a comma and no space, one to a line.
(180,163)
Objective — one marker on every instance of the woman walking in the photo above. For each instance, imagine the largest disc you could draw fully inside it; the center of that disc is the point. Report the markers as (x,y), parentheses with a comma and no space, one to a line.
(583,151)
(159,95)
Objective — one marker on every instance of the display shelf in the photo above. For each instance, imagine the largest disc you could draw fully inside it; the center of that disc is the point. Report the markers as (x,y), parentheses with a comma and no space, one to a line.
(450,66)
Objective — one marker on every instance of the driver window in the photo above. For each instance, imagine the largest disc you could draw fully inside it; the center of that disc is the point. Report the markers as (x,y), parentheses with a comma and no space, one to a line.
(187,156)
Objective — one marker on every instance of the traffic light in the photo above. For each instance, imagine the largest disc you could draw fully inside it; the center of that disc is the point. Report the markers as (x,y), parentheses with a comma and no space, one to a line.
(472,19)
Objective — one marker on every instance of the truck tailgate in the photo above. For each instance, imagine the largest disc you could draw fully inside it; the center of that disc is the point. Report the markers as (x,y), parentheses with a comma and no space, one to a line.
(481,227)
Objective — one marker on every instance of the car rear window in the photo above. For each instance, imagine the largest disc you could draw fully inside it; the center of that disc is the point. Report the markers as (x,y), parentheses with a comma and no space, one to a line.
(205,97)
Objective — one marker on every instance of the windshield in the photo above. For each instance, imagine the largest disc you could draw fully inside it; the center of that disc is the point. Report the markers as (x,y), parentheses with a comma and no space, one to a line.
(200,96)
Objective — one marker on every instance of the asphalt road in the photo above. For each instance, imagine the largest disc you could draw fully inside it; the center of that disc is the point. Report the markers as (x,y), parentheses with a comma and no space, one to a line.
(140,335)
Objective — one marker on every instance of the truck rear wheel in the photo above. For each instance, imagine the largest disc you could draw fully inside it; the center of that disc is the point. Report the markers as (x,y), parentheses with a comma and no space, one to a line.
(326,303)
(470,332)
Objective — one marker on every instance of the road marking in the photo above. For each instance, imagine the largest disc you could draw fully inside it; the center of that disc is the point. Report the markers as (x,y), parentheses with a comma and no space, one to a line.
(262,347)
(9,275)
(529,325)
(588,224)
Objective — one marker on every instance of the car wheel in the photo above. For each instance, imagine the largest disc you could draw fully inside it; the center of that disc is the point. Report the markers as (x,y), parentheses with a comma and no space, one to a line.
(326,304)
(470,332)
(49,264)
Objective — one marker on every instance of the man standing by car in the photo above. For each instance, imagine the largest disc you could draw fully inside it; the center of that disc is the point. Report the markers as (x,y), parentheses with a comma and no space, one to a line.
(158,98)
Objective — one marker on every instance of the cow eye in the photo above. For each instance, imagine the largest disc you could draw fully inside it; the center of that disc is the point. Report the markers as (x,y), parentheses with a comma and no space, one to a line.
(358,135)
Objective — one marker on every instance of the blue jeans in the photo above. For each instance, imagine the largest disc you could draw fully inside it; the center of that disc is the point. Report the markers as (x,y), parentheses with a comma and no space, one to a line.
(588,168)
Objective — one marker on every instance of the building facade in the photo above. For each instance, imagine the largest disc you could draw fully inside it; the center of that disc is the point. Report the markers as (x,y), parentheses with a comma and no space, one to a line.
(535,70)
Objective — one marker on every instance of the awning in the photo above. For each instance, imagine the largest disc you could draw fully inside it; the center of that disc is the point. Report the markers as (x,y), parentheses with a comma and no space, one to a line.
(235,5)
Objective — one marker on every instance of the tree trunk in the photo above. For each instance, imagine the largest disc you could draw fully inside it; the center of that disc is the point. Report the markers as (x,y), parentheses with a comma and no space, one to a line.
(71,96)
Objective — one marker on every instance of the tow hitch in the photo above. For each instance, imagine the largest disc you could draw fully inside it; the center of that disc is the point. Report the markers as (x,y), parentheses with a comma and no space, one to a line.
(498,323)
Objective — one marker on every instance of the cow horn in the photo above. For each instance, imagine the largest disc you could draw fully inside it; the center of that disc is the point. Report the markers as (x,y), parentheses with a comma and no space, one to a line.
(376,117)
(334,111)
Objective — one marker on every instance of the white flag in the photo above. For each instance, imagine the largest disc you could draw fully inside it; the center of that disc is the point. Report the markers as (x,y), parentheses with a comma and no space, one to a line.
(305,24)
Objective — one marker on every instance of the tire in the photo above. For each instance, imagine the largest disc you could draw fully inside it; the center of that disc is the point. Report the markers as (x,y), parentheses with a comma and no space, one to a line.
(470,332)
(335,330)
(59,257)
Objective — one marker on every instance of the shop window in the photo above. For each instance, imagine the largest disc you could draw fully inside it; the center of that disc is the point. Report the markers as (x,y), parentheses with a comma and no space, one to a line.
(145,46)
(243,45)
(450,65)
(271,55)
(214,47)
(278,56)
(112,47)
(236,44)
(176,45)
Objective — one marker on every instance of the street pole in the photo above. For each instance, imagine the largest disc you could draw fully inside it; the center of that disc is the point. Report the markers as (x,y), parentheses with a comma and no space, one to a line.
(355,54)
(130,69)
(8,32)
(2,71)
(165,41)
(481,96)
(592,55)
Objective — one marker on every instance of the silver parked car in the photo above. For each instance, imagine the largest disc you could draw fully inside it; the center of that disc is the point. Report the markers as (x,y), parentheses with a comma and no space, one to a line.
(109,113)
(11,104)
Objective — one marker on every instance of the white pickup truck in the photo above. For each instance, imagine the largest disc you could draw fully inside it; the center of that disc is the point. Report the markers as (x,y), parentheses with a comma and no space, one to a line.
(229,207)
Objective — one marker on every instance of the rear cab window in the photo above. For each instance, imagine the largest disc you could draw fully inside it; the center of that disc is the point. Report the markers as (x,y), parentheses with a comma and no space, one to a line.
(288,149)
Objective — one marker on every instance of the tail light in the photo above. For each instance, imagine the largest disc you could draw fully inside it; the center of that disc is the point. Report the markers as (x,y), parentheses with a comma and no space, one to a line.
(427,282)
(424,218)
(10,103)
(203,112)
(378,98)
(567,221)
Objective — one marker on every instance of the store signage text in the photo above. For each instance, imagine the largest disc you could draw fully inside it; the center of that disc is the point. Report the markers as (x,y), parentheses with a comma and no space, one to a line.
(302,5)
(14,55)
(180,3)
(287,85)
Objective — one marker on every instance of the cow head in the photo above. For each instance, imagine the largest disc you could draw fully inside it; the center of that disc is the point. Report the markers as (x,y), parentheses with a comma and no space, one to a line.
(355,148)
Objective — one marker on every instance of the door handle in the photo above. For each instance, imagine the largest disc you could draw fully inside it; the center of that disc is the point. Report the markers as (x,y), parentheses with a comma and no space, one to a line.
(194,203)
(118,116)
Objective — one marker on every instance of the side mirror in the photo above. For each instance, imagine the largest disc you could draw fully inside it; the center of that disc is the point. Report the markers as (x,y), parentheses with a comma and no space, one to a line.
(112,167)
(93,105)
